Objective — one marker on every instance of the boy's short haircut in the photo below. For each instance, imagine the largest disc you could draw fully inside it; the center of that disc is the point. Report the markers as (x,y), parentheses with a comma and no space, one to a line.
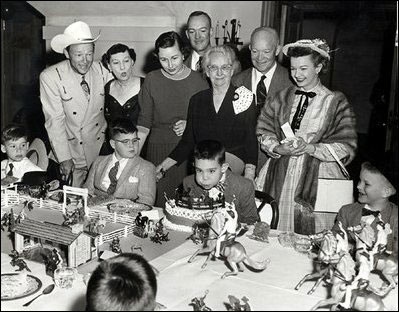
(384,171)
(125,282)
(210,149)
(13,132)
(121,125)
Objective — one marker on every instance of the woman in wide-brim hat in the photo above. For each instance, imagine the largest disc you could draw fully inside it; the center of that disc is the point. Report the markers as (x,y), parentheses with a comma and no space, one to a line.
(317,116)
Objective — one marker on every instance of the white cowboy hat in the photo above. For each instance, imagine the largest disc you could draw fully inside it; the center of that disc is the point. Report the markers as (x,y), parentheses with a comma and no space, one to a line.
(37,154)
(76,33)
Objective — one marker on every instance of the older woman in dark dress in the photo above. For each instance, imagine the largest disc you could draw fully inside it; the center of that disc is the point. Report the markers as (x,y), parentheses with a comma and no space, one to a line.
(221,113)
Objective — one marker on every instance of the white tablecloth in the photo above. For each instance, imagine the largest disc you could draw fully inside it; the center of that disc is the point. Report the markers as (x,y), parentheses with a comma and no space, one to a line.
(272,289)
(179,282)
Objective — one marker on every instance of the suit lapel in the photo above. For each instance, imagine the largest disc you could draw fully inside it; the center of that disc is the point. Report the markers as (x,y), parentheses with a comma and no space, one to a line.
(103,166)
(247,82)
(127,172)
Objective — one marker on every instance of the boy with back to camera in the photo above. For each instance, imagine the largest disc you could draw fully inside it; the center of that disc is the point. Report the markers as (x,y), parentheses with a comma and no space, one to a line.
(373,206)
(125,282)
(14,142)
(211,171)
(123,174)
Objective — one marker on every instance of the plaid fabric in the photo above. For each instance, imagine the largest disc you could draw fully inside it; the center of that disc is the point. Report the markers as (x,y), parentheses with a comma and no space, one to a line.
(292,181)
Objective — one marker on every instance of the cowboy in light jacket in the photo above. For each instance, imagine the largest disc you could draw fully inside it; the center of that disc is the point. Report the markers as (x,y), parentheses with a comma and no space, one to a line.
(72,96)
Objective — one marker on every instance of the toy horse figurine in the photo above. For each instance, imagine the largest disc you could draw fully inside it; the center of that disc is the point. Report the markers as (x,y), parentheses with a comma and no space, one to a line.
(362,299)
(233,251)
(366,243)
(327,256)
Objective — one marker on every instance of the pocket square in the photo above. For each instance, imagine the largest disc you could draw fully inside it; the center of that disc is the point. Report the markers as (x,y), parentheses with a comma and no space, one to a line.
(242,99)
(133,179)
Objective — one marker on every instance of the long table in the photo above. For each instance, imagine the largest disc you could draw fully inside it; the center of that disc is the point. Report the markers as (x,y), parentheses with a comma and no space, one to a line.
(180,281)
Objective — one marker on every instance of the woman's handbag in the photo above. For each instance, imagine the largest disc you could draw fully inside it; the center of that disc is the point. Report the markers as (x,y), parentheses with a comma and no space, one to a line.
(332,194)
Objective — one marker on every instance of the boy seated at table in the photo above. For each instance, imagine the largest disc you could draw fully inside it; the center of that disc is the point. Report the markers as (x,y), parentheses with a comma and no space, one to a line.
(125,282)
(373,206)
(14,142)
(211,171)
(123,174)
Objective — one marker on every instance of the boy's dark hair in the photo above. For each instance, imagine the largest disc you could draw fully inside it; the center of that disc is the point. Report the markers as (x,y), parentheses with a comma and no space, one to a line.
(121,125)
(210,149)
(117,48)
(13,132)
(125,282)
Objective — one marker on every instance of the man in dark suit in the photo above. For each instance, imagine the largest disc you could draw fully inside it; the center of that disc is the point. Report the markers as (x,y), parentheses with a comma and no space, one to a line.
(267,76)
(199,32)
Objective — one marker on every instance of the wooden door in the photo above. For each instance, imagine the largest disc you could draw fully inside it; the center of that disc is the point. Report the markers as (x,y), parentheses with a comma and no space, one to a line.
(22,60)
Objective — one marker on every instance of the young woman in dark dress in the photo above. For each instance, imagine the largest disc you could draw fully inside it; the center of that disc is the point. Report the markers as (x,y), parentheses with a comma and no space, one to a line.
(121,93)
(164,99)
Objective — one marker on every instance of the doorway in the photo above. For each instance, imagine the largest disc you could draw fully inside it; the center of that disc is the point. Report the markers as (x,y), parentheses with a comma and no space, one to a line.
(22,60)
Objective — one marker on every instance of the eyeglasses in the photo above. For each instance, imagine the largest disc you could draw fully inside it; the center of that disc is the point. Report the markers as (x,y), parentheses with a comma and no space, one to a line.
(224,68)
(127,141)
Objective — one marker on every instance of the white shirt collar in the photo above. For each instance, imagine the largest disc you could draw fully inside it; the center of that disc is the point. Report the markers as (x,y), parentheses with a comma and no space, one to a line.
(256,75)
(194,59)
(122,162)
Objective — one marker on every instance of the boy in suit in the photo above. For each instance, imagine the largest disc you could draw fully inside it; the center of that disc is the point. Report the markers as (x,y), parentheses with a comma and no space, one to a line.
(373,206)
(126,282)
(211,173)
(14,142)
(123,174)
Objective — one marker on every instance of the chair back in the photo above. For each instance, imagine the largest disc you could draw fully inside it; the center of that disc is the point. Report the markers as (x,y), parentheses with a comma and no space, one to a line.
(267,208)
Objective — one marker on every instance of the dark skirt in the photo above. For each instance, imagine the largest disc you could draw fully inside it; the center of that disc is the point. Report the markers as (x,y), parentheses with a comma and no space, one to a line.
(156,153)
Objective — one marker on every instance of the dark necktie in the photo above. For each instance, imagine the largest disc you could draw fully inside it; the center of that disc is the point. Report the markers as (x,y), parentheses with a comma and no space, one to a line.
(261,93)
(10,173)
(301,109)
(112,177)
(85,86)
(368,212)
(198,65)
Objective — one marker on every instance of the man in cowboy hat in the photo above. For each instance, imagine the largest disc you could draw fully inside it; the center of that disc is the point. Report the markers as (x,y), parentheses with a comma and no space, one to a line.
(72,96)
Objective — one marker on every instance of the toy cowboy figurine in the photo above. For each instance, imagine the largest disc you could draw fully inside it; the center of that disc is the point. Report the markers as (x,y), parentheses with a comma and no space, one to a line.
(229,228)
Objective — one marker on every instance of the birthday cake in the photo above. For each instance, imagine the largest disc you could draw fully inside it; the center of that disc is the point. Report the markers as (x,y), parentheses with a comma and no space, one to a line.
(186,210)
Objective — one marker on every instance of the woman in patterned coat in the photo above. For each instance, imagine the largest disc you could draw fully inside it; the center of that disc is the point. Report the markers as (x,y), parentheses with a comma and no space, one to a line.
(318,117)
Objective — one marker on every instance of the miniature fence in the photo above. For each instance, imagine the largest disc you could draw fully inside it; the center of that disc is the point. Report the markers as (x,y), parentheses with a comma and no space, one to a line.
(10,197)
(103,238)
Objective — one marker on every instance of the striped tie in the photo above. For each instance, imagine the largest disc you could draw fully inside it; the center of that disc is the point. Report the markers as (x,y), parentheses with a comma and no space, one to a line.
(112,177)
(85,87)
(261,93)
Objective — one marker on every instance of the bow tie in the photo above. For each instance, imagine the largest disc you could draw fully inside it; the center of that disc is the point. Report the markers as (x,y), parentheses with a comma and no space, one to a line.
(307,94)
(368,212)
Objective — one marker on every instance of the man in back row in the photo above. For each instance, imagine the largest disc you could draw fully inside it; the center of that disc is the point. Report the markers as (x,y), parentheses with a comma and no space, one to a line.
(199,32)
(267,76)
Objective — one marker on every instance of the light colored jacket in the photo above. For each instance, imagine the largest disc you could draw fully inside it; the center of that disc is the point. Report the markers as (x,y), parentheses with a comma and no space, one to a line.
(137,180)
(75,125)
